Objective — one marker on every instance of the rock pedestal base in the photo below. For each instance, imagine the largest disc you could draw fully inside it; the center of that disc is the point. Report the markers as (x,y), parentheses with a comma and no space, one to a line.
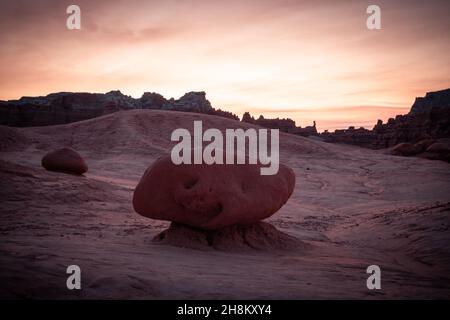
(260,236)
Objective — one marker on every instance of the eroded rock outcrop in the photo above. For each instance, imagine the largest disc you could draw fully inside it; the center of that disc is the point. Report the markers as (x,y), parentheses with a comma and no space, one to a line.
(429,118)
(67,107)
(432,101)
(285,125)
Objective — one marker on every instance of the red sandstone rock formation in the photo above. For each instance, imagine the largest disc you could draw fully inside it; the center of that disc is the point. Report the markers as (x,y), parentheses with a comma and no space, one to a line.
(64,160)
(211,196)
(429,118)
(405,149)
(285,125)
(67,107)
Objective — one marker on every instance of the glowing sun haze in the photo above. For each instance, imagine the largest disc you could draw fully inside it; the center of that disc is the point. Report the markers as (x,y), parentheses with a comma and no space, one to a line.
(307,60)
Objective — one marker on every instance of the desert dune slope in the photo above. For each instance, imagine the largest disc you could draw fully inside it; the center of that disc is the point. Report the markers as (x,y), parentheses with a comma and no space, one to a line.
(354,207)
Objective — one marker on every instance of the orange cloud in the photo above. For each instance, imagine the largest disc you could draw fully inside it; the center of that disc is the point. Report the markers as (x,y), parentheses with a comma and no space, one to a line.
(292,58)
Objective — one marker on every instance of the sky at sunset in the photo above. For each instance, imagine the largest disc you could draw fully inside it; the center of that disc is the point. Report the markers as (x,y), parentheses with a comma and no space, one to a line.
(307,60)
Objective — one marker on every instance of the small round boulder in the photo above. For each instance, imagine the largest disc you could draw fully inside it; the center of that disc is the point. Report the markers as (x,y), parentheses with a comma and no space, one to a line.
(422,145)
(405,149)
(439,147)
(64,160)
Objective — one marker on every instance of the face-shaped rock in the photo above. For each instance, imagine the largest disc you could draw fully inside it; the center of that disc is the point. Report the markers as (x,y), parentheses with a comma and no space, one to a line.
(211,196)
(65,160)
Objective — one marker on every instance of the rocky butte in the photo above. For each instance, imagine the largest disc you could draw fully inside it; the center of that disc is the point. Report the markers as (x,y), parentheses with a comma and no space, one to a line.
(67,107)
(429,118)
(285,125)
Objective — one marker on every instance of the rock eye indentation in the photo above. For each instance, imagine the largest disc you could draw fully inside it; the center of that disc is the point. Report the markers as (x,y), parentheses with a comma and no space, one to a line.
(188,184)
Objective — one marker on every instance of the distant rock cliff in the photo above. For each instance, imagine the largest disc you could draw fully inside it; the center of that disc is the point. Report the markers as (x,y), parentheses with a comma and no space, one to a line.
(66,107)
(285,125)
(431,102)
(429,118)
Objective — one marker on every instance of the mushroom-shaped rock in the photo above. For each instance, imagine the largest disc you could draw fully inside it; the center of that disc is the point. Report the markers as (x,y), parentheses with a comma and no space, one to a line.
(213,196)
(64,160)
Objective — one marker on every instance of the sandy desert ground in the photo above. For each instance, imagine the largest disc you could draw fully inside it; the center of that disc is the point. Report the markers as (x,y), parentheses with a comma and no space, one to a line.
(354,207)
